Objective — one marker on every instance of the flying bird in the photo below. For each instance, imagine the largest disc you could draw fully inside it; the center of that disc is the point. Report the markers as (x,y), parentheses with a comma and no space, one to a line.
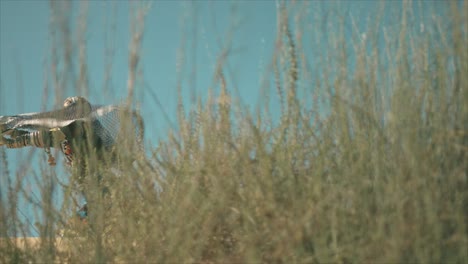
(70,127)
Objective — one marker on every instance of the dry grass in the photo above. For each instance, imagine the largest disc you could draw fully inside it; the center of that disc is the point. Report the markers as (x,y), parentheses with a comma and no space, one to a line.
(373,172)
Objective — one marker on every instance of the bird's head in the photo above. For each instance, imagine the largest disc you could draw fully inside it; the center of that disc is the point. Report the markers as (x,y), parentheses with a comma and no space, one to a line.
(81,105)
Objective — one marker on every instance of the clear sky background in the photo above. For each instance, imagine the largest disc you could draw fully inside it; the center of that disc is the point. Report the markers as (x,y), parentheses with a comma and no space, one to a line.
(25,47)
(200,28)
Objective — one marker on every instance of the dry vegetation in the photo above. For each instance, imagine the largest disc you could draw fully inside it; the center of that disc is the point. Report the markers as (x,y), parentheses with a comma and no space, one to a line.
(373,172)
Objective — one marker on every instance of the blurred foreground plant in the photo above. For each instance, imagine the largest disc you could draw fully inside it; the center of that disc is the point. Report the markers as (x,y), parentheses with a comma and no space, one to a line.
(377,174)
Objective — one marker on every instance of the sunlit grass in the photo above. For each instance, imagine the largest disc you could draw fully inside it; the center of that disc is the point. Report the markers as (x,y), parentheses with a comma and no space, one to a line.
(377,174)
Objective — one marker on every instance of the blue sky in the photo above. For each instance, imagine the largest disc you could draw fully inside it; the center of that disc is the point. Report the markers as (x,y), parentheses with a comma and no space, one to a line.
(25,47)
(198,28)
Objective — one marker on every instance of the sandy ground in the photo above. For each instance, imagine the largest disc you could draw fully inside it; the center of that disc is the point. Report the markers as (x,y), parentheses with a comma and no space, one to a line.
(30,242)
(21,242)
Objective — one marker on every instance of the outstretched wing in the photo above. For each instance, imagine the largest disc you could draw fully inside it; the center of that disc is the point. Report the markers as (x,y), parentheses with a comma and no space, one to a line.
(107,121)
(75,108)
(34,121)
